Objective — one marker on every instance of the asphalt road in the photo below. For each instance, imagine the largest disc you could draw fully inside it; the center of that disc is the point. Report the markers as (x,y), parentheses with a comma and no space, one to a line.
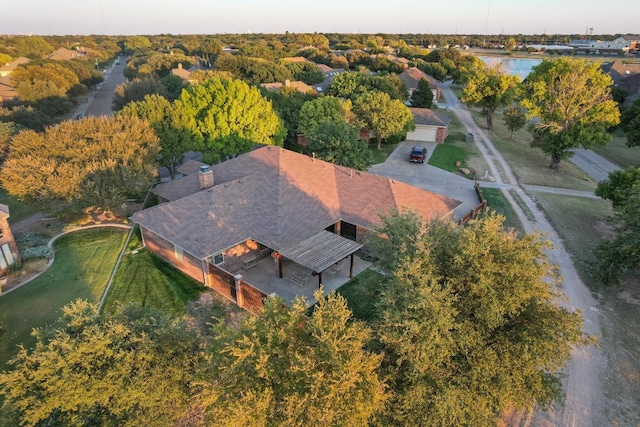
(98,103)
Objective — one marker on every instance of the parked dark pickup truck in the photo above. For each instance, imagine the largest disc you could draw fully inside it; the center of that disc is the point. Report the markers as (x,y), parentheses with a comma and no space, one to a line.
(418,154)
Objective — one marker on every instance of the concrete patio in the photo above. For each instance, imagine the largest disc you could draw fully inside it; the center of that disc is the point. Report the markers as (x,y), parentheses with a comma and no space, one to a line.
(263,276)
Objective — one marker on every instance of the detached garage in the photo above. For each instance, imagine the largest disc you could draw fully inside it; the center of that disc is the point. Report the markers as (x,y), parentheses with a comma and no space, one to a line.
(430,126)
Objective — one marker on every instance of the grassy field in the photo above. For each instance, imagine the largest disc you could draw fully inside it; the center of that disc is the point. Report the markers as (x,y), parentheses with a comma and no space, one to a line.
(17,209)
(380,156)
(147,280)
(497,202)
(361,294)
(84,260)
(581,223)
(618,152)
(455,149)
(530,165)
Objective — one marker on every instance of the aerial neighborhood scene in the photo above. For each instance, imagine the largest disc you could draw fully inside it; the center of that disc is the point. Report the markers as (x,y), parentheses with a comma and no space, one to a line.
(290,214)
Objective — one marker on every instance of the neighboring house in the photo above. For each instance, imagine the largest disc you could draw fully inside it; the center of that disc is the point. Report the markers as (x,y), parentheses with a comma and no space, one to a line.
(632,85)
(324,68)
(296,59)
(623,44)
(301,87)
(8,93)
(8,68)
(64,54)
(619,70)
(403,62)
(430,126)
(184,74)
(412,76)
(9,253)
(303,212)
(329,75)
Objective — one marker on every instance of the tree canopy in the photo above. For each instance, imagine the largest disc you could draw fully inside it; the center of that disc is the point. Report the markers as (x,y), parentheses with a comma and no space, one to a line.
(137,365)
(352,85)
(469,321)
(383,115)
(514,118)
(619,185)
(422,97)
(615,258)
(283,368)
(338,143)
(631,124)
(571,105)
(228,117)
(319,110)
(172,130)
(98,161)
(490,88)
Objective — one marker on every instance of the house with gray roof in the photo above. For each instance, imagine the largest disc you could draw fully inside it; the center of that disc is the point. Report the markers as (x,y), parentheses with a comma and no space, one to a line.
(299,215)
(412,76)
(431,126)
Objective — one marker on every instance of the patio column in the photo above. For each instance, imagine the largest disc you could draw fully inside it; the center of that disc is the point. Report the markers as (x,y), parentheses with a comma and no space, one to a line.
(351,268)
(277,259)
(319,279)
(239,296)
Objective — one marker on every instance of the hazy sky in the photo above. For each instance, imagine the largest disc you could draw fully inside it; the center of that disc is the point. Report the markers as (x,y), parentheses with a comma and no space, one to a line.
(48,17)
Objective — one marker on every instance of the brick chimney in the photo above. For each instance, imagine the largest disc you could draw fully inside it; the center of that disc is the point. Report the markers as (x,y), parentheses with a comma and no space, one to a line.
(205,176)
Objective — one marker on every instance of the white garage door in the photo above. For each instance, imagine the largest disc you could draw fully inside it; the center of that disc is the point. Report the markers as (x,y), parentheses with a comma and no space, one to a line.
(422,134)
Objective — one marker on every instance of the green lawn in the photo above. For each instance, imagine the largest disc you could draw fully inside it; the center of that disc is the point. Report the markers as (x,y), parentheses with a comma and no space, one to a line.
(497,202)
(618,152)
(83,263)
(17,209)
(361,294)
(580,223)
(455,149)
(530,165)
(380,156)
(147,280)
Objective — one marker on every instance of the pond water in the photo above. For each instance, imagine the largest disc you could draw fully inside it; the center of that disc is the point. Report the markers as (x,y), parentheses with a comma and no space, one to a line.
(519,66)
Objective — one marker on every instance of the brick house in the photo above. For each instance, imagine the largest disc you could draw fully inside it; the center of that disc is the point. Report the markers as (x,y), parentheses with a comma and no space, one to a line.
(412,76)
(9,253)
(430,126)
(271,202)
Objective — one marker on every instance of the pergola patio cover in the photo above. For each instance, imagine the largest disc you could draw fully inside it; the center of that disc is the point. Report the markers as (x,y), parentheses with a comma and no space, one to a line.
(320,251)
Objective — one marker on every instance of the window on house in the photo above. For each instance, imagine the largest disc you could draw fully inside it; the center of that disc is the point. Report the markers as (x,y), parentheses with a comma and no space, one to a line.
(218,258)
(179,253)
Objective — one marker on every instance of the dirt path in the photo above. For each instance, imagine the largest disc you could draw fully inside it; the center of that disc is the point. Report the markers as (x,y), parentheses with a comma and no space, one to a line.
(584,403)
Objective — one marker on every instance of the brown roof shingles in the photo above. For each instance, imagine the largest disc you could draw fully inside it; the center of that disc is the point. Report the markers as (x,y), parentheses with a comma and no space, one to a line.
(278,197)
(425,116)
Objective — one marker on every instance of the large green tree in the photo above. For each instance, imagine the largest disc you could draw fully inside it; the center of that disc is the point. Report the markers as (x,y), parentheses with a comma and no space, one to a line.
(470,321)
(422,97)
(98,161)
(338,143)
(571,105)
(35,82)
(228,117)
(136,367)
(619,185)
(616,258)
(282,368)
(174,135)
(288,103)
(352,85)
(630,121)
(514,118)
(136,90)
(490,88)
(319,110)
(34,47)
(383,115)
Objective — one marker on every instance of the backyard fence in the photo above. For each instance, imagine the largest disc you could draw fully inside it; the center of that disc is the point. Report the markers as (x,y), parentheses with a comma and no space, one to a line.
(475,211)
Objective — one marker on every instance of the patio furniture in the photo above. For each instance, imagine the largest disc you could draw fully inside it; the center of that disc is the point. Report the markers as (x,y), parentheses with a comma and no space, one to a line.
(249,261)
(299,278)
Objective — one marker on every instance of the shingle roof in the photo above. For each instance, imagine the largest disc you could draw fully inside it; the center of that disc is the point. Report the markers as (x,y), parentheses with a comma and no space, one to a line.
(64,54)
(425,116)
(295,59)
(301,87)
(190,166)
(4,211)
(411,77)
(278,197)
(6,69)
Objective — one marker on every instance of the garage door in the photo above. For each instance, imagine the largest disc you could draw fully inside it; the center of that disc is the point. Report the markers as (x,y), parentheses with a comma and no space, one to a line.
(422,134)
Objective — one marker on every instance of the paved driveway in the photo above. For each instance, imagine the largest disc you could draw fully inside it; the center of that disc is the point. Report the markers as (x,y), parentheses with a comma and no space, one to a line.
(427,177)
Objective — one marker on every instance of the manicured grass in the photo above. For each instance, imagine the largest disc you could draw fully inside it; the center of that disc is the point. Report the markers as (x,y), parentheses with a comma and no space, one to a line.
(530,165)
(380,156)
(580,223)
(361,294)
(147,280)
(497,202)
(456,149)
(83,263)
(618,152)
(17,209)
